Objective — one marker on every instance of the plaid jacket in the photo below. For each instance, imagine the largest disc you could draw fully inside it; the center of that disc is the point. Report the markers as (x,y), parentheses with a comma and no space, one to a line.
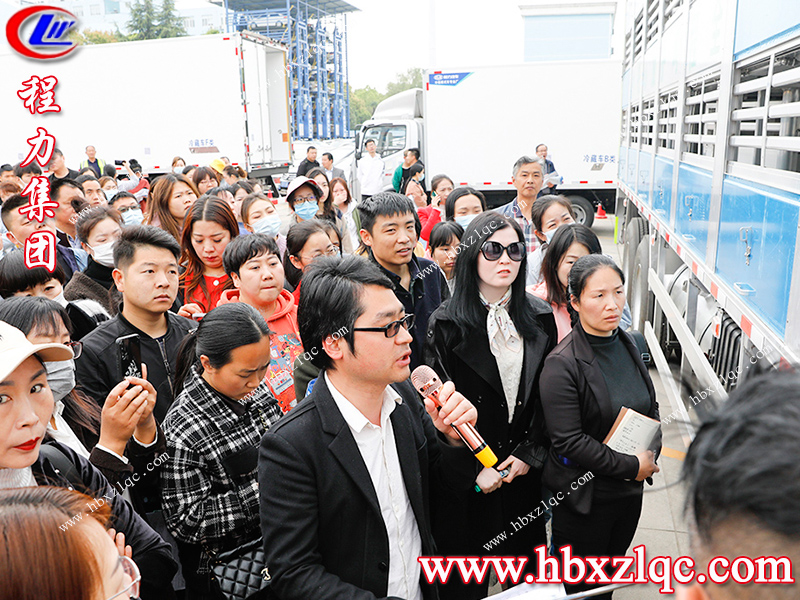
(210,482)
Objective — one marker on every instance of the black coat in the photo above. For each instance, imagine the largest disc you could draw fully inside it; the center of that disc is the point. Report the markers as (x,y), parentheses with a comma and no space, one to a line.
(97,370)
(151,553)
(578,415)
(469,363)
(324,535)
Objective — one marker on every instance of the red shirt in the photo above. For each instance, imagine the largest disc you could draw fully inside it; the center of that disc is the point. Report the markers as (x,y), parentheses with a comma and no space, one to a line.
(214,285)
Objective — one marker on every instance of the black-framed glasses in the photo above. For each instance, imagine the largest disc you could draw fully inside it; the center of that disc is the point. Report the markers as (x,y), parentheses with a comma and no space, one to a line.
(393,328)
(494,250)
(77,348)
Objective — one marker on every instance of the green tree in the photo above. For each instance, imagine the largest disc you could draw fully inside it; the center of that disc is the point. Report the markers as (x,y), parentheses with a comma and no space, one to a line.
(412,78)
(143,24)
(362,104)
(168,23)
(89,37)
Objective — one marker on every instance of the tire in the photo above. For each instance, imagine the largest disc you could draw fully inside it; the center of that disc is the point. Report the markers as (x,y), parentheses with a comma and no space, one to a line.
(640,298)
(584,211)
(634,232)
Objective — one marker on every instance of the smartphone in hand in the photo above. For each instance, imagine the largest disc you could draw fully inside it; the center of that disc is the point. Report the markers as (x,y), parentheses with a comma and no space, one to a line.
(129,356)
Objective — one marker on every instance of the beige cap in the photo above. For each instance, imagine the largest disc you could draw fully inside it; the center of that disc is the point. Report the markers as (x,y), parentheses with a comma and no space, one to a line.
(15,348)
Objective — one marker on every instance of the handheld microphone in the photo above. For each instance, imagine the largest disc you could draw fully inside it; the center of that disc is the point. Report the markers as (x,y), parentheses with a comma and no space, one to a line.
(427,383)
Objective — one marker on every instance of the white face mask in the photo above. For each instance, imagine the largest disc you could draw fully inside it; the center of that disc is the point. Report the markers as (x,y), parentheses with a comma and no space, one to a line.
(104,253)
(269,225)
(178,170)
(110,193)
(549,234)
(61,300)
(60,377)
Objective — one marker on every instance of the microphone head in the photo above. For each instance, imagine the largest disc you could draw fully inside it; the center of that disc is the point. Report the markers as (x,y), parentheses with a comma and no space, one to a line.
(425,380)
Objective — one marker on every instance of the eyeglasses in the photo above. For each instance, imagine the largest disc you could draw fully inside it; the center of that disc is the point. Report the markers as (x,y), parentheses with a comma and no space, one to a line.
(494,250)
(299,201)
(132,571)
(331,250)
(125,209)
(77,348)
(393,328)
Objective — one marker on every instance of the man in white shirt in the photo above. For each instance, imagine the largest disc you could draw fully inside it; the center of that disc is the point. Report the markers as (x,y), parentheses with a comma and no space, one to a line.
(370,171)
(347,478)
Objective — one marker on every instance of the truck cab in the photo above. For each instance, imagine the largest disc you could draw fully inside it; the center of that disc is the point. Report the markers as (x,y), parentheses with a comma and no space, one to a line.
(395,126)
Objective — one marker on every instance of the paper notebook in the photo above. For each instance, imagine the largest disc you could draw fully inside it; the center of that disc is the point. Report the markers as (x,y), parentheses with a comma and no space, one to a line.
(632,432)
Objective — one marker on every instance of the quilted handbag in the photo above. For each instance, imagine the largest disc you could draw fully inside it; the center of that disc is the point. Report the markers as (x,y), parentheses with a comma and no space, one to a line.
(240,574)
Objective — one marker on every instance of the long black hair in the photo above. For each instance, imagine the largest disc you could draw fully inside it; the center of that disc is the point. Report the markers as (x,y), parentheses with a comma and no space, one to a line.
(565,236)
(465,307)
(42,315)
(221,331)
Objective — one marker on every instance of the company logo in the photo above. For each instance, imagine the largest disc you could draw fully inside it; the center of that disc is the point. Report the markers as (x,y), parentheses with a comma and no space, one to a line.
(41,32)
(439,78)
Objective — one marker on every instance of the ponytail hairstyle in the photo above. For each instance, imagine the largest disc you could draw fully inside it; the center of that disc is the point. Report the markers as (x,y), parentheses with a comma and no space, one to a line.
(585,267)
(565,236)
(227,327)
(205,208)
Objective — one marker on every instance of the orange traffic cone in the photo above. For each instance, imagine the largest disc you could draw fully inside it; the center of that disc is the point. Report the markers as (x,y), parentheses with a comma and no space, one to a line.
(601,212)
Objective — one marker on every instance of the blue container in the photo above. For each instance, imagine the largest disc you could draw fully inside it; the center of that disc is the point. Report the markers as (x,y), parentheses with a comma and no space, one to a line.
(630,178)
(694,200)
(662,188)
(644,176)
(755,252)
(622,164)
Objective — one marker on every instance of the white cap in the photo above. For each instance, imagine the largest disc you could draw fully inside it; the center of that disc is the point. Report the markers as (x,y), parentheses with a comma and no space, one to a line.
(15,348)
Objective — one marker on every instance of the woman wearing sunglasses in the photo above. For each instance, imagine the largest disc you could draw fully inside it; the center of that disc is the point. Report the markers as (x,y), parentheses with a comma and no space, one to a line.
(81,561)
(490,339)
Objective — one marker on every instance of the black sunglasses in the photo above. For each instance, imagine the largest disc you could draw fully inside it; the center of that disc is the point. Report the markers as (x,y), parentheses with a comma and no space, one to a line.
(393,328)
(494,250)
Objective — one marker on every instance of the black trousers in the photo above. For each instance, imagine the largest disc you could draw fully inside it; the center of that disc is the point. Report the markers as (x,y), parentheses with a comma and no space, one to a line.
(607,530)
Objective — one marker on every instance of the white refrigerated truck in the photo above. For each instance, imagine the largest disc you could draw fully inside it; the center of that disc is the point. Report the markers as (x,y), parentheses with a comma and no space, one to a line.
(474,123)
(709,177)
(197,97)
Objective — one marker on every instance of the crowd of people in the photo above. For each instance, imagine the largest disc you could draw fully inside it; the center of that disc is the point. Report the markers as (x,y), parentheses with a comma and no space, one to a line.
(198,377)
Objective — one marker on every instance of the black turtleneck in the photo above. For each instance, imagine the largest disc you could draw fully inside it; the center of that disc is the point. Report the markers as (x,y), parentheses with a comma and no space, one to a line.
(626,386)
(99,273)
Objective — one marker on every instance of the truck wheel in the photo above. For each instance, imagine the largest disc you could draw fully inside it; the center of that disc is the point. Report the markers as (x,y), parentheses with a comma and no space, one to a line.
(584,211)
(634,232)
(640,299)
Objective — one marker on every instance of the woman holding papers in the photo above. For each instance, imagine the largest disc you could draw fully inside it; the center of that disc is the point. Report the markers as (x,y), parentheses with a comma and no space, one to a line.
(490,339)
(586,381)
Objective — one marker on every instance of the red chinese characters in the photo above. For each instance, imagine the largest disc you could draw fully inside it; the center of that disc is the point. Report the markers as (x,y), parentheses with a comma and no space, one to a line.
(40,250)
(40,205)
(37,94)
(42,146)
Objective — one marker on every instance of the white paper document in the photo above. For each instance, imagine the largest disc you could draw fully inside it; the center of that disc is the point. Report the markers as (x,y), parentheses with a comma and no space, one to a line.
(632,432)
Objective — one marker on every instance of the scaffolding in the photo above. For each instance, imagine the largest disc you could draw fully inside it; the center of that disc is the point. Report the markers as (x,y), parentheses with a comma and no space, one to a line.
(315,34)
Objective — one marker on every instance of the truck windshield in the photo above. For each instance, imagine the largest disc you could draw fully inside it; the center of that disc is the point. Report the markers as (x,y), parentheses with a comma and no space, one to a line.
(388,138)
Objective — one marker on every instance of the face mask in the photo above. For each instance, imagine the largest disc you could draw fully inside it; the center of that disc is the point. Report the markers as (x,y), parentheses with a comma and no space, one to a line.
(269,225)
(61,300)
(133,216)
(104,253)
(60,377)
(549,234)
(110,193)
(178,170)
(306,210)
(465,220)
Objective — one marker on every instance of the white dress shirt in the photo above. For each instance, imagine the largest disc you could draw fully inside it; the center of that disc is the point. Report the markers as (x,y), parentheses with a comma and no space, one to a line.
(379,451)
(370,174)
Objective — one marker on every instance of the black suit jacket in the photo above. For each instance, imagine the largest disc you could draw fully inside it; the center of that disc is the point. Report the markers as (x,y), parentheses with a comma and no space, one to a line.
(468,362)
(324,535)
(578,415)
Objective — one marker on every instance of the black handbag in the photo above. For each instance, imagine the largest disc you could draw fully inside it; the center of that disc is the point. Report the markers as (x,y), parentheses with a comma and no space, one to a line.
(240,574)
